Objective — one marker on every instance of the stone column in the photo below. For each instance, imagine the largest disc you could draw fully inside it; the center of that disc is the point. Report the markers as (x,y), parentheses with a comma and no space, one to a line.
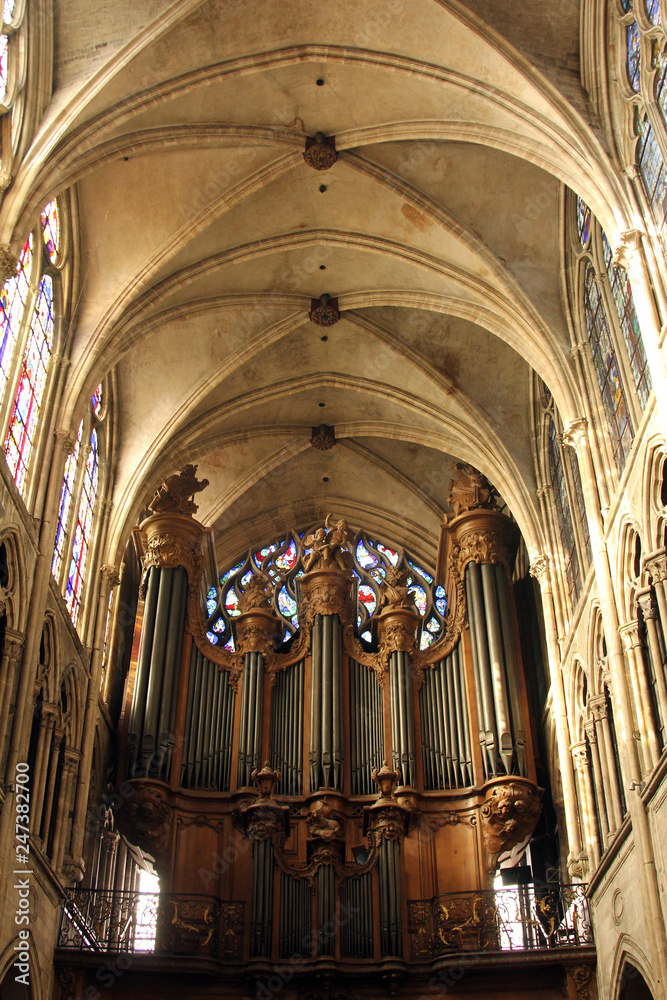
(643,702)
(577,435)
(650,613)
(540,570)
(58,736)
(38,779)
(63,827)
(598,780)
(8,666)
(598,706)
(629,255)
(110,579)
(581,763)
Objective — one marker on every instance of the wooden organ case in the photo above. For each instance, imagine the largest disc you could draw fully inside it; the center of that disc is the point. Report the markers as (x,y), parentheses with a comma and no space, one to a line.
(304,807)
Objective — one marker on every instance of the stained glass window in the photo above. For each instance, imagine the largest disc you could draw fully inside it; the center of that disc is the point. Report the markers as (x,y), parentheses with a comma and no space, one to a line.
(82,531)
(634,58)
(8,10)
(606,368)
(622,292)
(282,562)
(51,230)
(653,11)
(584,217)
(32,381)
(12,303)
(97,400)
(564,516)
(66,493)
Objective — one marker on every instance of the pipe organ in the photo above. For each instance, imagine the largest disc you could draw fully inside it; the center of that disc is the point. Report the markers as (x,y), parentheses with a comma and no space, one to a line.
(341,779)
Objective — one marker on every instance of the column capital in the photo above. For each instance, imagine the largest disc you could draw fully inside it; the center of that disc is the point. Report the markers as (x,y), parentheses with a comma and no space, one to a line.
(579,753)
(539,569)
(629,633)
(110,576)
(598,707)
(66,442)
(590,731)
(631,241)
(647,605)
(13,643)
(8,262)
(655,563)
(576,433)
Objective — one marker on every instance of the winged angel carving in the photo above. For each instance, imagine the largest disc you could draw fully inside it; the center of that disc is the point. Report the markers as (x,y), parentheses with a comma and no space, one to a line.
(329,547)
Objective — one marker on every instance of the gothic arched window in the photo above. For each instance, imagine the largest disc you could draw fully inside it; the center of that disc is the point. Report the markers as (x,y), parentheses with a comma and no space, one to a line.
(78,497)
(609,321)
(28,304)
(560,468)
(282,561)
(642,72)
(13,59)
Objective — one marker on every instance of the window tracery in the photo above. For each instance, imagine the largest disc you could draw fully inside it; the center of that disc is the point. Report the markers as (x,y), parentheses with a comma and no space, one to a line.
(609,321)
(76,511)
(13,61)
(282,561)
(28,340)
(559,467)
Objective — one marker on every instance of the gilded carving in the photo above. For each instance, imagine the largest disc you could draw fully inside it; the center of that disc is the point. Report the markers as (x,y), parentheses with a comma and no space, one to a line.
(509,815)
(581,977)
(394,591)
(397,629)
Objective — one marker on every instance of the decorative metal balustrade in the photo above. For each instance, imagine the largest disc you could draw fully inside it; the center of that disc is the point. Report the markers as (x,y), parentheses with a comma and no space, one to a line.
(523,918)
(166,923)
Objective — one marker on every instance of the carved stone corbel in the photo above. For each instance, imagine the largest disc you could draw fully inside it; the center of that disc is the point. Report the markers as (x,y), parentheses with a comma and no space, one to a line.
(146,818)
(509,815)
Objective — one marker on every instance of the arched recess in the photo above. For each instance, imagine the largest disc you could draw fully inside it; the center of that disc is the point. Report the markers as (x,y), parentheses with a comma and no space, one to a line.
(631,971)
(9,988)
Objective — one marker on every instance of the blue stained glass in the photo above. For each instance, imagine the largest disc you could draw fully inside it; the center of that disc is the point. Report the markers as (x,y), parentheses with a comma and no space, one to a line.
(433,625)
(634,56)
(625,307)
(422,572)
(232,571)
(426,639)
(365,558)
(212,638)
(219,625)
(51,230)
(245,579)
(66,492)
(367,636)
(230,645)
(653,11)
(584,219)
(286,604)
(420,597)
(96,399)
(211,605)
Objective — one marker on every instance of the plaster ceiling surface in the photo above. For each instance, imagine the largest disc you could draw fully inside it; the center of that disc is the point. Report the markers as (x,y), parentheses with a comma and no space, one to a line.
(203,237)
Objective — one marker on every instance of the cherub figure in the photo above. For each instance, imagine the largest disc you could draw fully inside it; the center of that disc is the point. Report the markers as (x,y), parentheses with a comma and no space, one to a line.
(394,591)
(329,545)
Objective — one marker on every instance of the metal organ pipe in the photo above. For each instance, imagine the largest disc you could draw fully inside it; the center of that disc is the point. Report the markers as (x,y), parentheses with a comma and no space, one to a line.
(286,729)
(326,755)
(153,710)
(208,726)
(402,734)
(446,745)
(502,731)
(366,734)
(250,734)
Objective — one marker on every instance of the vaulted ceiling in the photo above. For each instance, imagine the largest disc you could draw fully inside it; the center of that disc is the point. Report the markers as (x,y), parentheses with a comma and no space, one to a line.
(203,237)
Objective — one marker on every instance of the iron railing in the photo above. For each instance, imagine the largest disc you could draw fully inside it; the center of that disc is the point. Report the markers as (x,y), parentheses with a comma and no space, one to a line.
(522,918)
(173,923)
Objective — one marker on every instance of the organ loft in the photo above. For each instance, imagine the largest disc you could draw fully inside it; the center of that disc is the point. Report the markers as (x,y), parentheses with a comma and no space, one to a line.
(332,808)
(333,500)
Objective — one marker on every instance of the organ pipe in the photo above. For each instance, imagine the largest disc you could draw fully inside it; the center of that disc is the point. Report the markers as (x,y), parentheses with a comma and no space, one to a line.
(326,743)
(153,710)
(366,728)
(208,726)
(446,744)
(402,730)
(286,730)
(250,734)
